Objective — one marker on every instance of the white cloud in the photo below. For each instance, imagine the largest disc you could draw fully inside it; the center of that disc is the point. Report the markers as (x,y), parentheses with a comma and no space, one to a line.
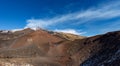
(104,11)
(72,31)
(107,11)
(14,30)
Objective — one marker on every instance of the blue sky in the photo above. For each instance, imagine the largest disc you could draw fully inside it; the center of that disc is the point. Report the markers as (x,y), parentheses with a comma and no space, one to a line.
(82,17)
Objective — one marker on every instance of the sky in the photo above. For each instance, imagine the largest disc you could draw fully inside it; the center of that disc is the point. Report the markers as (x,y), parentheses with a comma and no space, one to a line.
(81,17)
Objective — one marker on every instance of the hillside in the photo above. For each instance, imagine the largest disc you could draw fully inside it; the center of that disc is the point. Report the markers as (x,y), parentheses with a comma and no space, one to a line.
(46,48)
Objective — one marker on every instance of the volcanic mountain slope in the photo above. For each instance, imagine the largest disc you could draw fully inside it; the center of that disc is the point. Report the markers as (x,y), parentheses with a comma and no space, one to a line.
(47,48)
(31,43)
(68,36)
(8,37)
